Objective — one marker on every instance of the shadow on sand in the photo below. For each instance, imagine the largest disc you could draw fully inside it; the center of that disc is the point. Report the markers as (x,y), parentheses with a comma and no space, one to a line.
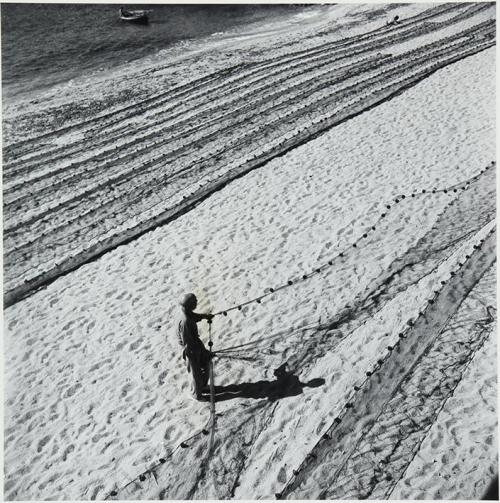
(285,385)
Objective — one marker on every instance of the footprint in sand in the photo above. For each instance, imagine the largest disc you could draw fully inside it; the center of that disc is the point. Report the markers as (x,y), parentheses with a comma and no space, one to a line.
(82,428)
(9,485)
(124,294)
(145,405)
(436,442)
(93,496)
(43,442)
(67,451)
(110,294)
(72,390)
(161,377)
(136,344)
(168,432)
(29,415)
(98,437)
(67,326)
(152,418)
(107,446)
(125,390)
(12,325)
(53,301)
(97,365)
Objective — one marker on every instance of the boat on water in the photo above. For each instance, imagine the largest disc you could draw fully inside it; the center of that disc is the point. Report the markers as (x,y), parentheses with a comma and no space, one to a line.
(134,16)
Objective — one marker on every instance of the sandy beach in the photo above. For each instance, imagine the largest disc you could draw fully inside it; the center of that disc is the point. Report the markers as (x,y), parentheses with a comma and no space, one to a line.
(328,187)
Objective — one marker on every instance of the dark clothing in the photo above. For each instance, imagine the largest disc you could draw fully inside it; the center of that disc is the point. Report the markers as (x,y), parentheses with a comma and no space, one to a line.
(196,356)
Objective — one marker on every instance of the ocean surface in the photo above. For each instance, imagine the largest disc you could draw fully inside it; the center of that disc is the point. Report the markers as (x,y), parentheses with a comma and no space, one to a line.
(46,44)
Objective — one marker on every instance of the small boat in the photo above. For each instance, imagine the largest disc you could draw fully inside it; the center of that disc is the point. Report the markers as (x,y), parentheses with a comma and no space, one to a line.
(134,16)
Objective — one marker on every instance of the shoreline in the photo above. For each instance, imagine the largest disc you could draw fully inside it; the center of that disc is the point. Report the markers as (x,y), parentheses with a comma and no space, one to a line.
(156,51)
(173,54)
(178,65)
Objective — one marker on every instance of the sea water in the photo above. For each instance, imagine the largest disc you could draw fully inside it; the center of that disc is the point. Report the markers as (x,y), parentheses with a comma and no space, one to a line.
(46,44)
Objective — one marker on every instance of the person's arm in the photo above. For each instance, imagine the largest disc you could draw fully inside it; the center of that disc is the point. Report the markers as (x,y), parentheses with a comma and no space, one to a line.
(200,316)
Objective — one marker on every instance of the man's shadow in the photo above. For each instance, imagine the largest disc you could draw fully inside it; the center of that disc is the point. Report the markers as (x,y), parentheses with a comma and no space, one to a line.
(285,385)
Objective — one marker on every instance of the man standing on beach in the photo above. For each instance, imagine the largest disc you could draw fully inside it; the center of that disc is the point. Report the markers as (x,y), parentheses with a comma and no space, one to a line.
(196,356)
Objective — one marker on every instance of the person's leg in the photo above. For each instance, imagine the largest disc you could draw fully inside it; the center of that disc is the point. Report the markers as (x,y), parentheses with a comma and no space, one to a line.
(198,380)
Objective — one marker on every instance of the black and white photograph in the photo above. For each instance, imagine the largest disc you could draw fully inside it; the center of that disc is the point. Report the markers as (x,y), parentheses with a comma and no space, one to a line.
(249,251)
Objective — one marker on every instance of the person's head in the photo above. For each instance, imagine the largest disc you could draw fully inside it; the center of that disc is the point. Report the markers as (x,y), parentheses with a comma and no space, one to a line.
(189,301)
(396,18)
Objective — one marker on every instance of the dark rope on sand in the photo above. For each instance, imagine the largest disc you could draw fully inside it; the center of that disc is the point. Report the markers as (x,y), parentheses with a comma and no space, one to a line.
(212,388)
(452,189)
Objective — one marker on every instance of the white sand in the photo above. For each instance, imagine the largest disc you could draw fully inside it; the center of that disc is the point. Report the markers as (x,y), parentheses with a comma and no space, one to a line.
(96,392)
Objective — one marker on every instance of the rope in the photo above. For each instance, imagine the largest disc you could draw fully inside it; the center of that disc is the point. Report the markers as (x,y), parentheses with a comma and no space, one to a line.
(357,388)
(407,332)
(212,385)
(450,190)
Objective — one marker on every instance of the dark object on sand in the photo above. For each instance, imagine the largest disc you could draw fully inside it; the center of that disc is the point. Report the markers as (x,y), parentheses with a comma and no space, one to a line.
(395,20)
(134,16)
